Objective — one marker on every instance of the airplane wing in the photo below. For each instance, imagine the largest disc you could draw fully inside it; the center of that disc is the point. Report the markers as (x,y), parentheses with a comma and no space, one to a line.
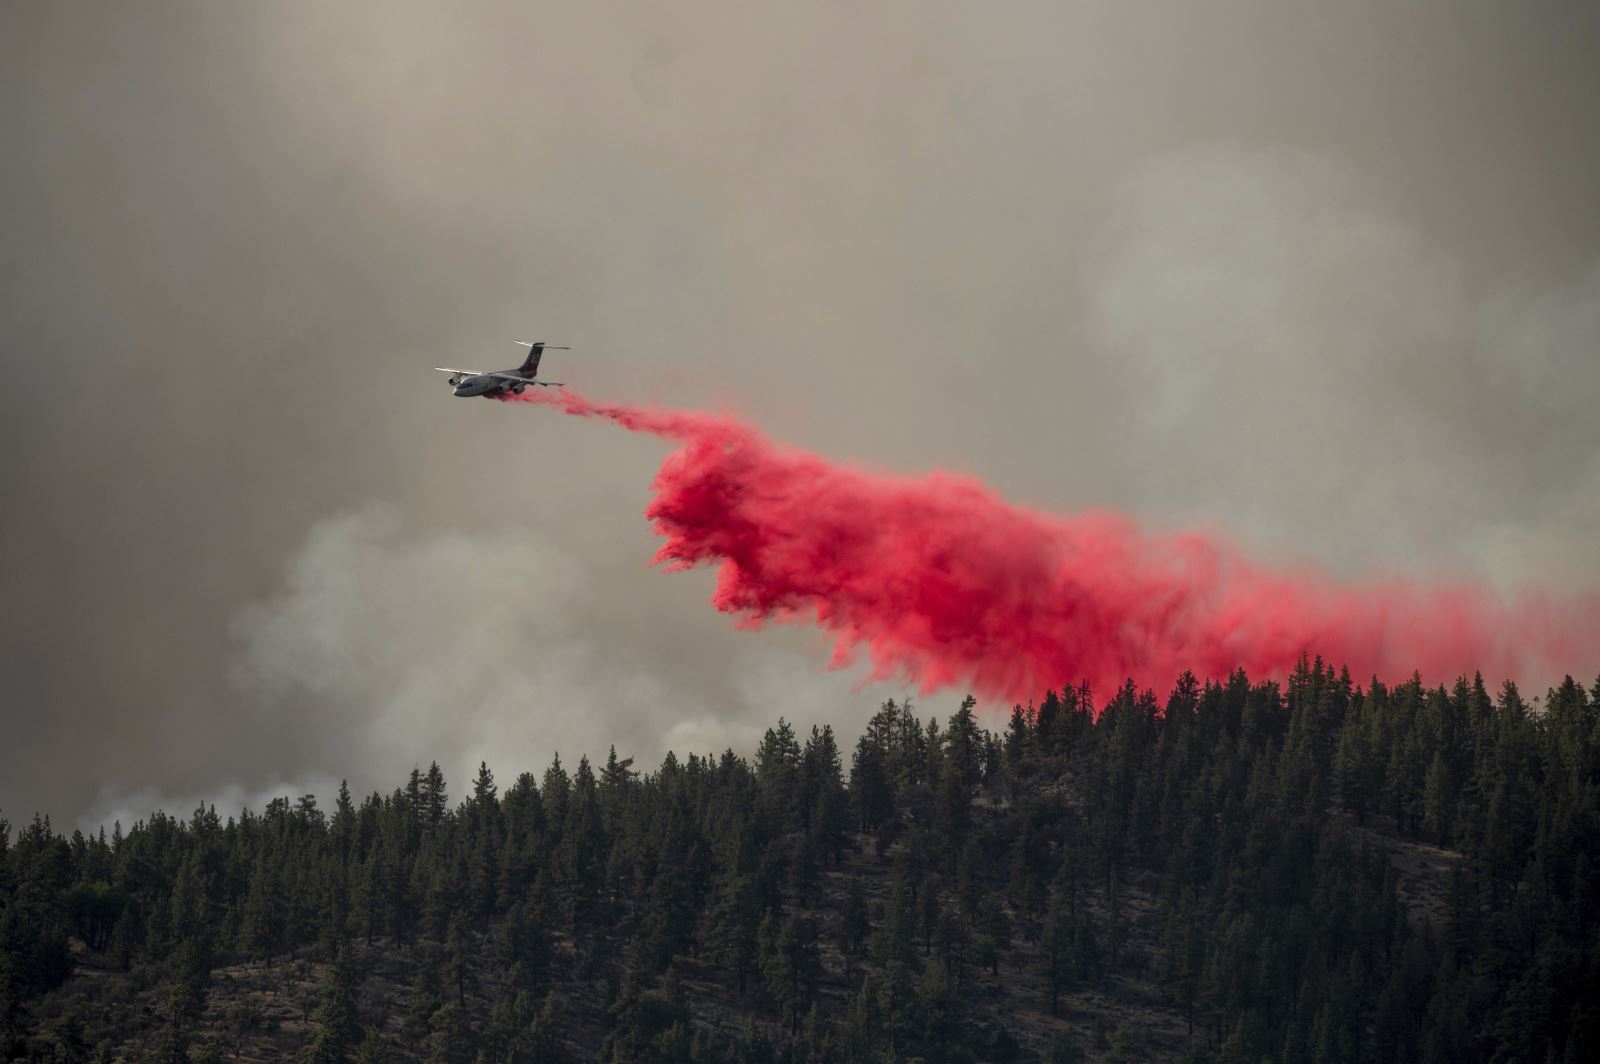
(468,372)
(526,380)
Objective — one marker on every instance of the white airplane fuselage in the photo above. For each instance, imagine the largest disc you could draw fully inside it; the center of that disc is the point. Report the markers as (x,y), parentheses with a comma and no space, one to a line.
(484,384)
(470,383)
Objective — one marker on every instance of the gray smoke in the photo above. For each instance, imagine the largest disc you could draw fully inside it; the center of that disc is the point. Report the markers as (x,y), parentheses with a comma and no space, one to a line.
(1323,277)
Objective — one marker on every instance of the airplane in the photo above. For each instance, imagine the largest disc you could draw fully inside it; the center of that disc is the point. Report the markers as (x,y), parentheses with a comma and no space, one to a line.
(492,383)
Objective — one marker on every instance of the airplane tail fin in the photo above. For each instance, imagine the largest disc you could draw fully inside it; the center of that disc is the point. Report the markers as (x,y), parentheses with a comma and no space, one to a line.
(530,365)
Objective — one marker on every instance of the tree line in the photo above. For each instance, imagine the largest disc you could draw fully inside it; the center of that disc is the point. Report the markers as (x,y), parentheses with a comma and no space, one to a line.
(1230,850)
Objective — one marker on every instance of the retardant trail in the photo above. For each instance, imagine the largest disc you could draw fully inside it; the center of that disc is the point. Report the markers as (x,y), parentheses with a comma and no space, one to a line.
(941,581)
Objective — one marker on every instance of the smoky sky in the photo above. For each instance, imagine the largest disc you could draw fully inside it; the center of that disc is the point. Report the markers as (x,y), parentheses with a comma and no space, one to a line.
(1323,278)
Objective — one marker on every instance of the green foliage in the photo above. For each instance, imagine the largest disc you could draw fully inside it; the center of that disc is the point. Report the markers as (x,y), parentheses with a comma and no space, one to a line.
(338,1018)
(648,1026)
(789,962)
(1231,852)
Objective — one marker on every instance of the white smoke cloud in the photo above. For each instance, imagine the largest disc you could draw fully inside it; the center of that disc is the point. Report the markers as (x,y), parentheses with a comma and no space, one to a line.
(113,806)
(489,647)
(907,235)
(1358,402)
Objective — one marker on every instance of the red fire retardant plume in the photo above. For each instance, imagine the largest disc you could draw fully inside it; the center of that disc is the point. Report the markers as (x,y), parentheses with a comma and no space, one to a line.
(939,580)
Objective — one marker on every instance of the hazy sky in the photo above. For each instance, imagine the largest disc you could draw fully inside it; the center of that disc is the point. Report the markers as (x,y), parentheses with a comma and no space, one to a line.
(1326,277)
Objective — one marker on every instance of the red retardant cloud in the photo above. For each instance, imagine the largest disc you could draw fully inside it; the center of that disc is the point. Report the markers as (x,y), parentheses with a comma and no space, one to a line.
(939,580)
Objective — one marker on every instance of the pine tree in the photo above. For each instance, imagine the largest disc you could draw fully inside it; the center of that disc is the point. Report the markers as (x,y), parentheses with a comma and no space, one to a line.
(435,802)
(338,1021)
(855,924)
(736,919)
(790,964)
(264,928)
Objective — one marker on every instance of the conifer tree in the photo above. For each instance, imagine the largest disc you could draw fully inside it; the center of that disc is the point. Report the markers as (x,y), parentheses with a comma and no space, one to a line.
(338,1021)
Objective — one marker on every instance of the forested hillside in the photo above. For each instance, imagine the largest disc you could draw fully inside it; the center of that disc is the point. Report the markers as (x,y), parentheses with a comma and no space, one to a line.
(1314,872)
